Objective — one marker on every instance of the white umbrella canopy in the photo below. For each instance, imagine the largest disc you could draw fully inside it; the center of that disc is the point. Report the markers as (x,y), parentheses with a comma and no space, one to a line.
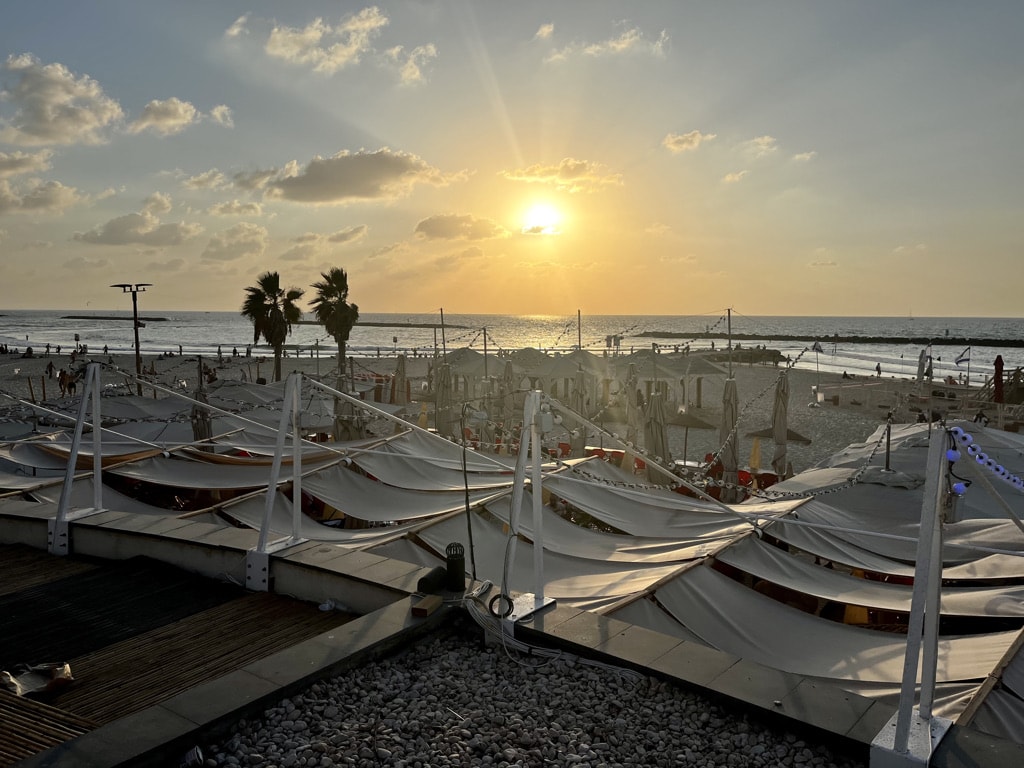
(565,366)
(730,454)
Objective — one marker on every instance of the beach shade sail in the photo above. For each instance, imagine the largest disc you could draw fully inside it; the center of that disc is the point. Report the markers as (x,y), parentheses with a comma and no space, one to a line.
(997,380)
(463,361)
(530,359)
(565,366)
(655,427)
(730,451)
(443,400)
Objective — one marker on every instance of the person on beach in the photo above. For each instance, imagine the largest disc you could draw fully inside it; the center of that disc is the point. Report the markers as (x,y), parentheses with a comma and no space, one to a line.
(49,369)
(878,369)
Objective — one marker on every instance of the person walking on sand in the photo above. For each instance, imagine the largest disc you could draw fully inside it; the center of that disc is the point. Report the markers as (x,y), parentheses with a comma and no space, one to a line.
(878,369)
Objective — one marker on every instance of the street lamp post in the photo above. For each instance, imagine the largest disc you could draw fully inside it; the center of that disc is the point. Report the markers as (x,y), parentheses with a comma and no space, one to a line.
(134,289)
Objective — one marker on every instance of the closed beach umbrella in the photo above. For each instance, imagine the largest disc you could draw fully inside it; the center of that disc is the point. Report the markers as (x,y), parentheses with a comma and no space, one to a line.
(780,425)
(730,455)
(578,395)
(655,432)
(632,405)
(443,400)
(922,363)
(997,380)
(202,423)
(399,383)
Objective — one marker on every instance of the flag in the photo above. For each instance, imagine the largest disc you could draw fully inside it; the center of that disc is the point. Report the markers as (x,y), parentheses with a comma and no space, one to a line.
(817,347)
(964,357)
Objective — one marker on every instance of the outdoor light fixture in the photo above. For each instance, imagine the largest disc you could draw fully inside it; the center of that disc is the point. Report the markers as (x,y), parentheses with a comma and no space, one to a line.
(135,289)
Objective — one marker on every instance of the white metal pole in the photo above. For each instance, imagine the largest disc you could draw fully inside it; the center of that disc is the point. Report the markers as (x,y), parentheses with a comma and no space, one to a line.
(535,484)
(929,530)
(296,458)
(275,467)
(92,382)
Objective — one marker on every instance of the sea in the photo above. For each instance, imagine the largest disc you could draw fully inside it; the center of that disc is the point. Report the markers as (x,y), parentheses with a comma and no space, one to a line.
(857,345)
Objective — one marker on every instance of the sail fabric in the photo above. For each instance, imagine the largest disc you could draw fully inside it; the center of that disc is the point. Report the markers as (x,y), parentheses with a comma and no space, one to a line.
(579,581)
(765,561)
(732,618)
(568,538)
(359,496)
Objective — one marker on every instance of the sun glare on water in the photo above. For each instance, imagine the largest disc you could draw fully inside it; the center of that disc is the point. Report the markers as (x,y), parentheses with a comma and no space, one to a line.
(541,219)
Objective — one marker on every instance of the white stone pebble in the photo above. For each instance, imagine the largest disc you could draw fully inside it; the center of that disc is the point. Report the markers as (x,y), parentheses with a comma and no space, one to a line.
(452,701)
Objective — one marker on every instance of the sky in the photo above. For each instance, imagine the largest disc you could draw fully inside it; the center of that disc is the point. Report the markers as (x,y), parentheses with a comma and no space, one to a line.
(531,157)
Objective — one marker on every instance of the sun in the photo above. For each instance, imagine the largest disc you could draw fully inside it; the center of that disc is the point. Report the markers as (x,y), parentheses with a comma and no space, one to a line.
(541,219)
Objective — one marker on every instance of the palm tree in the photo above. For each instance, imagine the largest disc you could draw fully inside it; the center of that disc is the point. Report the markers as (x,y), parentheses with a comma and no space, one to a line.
(333,311)
(272,311)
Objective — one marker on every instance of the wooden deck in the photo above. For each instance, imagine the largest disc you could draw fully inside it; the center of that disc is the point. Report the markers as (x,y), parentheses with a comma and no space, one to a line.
(134,632)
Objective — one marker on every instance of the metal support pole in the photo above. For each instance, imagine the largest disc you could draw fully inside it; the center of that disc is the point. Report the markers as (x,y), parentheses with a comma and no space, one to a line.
(538,501)
(58,530)
(910,736)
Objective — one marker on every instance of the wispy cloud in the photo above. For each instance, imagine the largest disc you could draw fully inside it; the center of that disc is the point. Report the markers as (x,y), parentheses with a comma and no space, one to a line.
(327,48)
(630,41)
(459,227)
(16,163)
(236,208)
(142,228)
(685,142)
(569,174)
(36,196)
(732,178)
(166,117)
(410,63)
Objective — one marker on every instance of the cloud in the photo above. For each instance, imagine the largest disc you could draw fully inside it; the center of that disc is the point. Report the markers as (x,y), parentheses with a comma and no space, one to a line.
(823,264)
(349,234)
(142,228)
(251,181)
(347,177)
(166,117)
(459,227)
(455,260)
(36,196)
(908,250)
(631,40)
(243,239)
(804,157)
(545,32)
(761,146)
(157,203)
(732,178)
(221,114)
(312,45)
(52,106)
(81,263)
(570,175)
(410,65)
(236,208)
(17,163)
(685,142)
(171,265)
(211,179)
(238,28)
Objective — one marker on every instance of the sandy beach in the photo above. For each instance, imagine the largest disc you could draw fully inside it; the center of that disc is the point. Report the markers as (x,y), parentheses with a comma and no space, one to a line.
(848,411)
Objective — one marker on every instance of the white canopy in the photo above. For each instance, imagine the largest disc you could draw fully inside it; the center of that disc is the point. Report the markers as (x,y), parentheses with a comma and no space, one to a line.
(738,620)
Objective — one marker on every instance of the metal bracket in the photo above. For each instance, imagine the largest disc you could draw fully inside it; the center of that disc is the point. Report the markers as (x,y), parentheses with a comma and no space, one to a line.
(58,530)
(524,606)
(925,736)
(257,563)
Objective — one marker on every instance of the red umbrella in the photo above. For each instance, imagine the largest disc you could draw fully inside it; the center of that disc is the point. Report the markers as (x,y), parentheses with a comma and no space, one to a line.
(997,380)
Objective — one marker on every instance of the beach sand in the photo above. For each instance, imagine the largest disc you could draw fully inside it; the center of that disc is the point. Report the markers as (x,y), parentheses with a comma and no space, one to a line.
(850,409)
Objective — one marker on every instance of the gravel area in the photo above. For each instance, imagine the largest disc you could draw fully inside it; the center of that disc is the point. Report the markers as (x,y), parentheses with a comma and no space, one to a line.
(454,700)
